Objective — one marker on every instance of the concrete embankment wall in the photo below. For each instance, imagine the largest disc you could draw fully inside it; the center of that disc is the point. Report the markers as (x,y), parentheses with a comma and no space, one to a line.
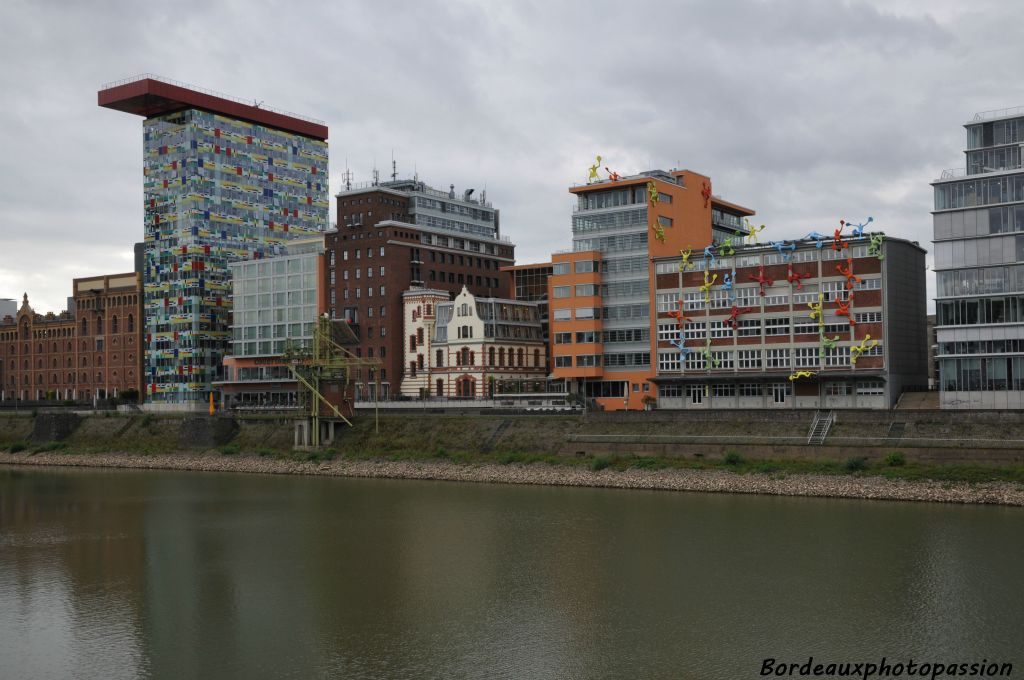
(988,438)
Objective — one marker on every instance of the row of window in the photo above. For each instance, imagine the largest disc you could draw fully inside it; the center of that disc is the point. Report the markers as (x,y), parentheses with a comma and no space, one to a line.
(615,360)
(863,388)
(980,311)
(1013,346)
(756,359)
(992,374)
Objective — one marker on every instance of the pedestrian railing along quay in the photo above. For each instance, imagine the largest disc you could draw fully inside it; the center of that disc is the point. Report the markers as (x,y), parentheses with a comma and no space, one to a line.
(782,440)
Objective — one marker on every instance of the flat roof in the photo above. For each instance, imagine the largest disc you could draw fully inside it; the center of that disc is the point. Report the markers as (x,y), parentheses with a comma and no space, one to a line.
(149,95)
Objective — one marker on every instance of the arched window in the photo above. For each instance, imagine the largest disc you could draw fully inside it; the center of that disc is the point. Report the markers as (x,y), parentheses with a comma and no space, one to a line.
(39,348)
(85,362)
(536,358)
(519,357)
(131,323)
(99,325)
(39,363)
(54,348)
(419,362)
(113,324)
(472,358)
(501,356)
(490,356)
(440,358)
(99,360)
(419,336)
(85,327)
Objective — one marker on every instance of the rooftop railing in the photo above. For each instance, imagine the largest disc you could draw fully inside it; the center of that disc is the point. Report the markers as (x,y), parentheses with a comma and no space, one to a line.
(212,93)
(999,113)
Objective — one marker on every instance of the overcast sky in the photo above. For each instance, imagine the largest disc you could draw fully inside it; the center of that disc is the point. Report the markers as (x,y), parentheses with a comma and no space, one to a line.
(805,110)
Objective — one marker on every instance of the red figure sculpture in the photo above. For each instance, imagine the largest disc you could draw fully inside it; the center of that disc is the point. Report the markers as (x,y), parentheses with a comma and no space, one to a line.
(679,316)
(761,279)
(837,238)
(706,193)
(735,313)
(847,271)
(793,277)
(613,176)
(843,309)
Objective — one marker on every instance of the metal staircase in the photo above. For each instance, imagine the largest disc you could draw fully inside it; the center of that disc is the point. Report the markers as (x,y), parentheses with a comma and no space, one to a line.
(819,428)
(896,430)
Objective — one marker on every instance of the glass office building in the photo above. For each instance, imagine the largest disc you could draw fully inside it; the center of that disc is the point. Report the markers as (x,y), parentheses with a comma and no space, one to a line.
(979,264)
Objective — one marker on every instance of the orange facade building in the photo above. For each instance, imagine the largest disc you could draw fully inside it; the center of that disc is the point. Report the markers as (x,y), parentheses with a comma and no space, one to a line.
(603,334)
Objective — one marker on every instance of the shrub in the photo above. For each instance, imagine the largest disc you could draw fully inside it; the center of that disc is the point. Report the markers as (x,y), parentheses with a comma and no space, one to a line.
(265,452)
(440,452)
(321,455)
(856,464)
(50,446)
(768,467)
(600,463)
(733,458)
(17,446)
(895,459)
(147,420)
(229,449)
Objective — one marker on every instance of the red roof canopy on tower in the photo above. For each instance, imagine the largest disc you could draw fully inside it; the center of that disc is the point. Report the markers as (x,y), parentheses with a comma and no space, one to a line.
(149,96)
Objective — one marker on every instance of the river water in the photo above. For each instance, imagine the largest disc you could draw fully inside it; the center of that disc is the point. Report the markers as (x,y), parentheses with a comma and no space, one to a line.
(156,574)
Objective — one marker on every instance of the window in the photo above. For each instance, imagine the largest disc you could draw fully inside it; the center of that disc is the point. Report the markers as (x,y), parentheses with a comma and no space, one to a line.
(664,221)
(727,390)
(563,362)
(871,387)
(667,302)
(806,357)
(869,284)
(668,331)
(586,289)
(586,336)
(776,326)
(694,362)
(776,358)
(588,360)
(808,294)
(720,329)
(750,390)
(692,301)
(776,297)
(561,314)
(838,356)
(724,359)
(868,317)
(563,338)
(749,358)
(587,313)
(561,291)
(585,266)
(559,268)
(668,361)
(696,330)
(749,328)
(834,290)
(837,389)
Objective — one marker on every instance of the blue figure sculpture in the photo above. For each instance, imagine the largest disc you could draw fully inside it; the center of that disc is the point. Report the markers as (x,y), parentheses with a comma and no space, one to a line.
(709,255)
(782,246)
(815,236)
(858,229)
(680,344)
(727,284)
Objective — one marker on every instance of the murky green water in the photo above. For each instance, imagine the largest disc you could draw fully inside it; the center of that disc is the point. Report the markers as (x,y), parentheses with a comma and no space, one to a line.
(120,574)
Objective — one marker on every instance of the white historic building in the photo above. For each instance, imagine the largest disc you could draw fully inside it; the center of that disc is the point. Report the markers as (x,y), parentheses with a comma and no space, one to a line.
(461,347)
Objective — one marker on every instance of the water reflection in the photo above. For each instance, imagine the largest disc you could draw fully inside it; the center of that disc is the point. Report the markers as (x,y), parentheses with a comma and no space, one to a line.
(162,574)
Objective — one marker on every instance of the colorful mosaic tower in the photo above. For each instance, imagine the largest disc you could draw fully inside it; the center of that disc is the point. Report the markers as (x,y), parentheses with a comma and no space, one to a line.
(224,181)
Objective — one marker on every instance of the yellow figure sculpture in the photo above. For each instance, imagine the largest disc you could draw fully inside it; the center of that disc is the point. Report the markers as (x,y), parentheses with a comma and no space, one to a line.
(863,348)
(685,265)
(706,288)
(801,374)
(816,312)
(659,231)
(753,231)
(652,191)
(592,176)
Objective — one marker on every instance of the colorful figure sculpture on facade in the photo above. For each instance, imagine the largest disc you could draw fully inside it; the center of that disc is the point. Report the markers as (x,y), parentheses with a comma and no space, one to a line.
(734,315)
(864,347)
(659,231)
(762,280)
(837,238)
(794,277)
(801,374)
(847,271)
(613,176)
(816,313)
(709,359)
(652,192)
(819,238)
(727,284)
(782,247)
(752,231)
(592,175)
(876,246)
(827,343)
(706,288)
(684,351)
(709,254)
(685,265)
(843,309)
(726,248)
(679,315)
(857,229)
(705,191)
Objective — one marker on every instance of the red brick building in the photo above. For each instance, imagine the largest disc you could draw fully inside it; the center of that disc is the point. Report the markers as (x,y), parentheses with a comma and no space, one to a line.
(91,351)
(392,236)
